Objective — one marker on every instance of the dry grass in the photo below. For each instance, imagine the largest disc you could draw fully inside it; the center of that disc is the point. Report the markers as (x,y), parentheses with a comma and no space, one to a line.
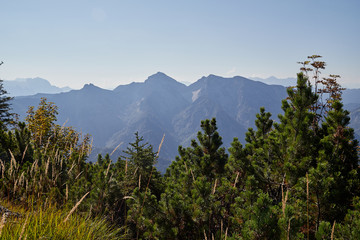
(284,199)
(332,231)
(23,228)
(213,191)
(46,223)
(108,168)
(2,223)
(236,179)
(116,148)
(205,237)
(288,230)
(75,207)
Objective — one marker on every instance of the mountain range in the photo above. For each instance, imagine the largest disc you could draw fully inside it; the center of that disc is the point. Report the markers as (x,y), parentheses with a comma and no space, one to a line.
(161,105)
(31,86)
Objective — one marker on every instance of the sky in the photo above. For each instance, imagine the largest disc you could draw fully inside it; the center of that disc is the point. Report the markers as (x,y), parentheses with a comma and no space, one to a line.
(114,42)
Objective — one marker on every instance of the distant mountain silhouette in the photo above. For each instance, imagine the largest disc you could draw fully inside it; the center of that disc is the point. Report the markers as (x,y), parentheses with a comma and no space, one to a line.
(286,82)
(31,86)
(351,96)
(161,105)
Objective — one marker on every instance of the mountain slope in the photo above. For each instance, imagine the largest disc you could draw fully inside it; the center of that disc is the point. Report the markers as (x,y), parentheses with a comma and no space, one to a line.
(161,105)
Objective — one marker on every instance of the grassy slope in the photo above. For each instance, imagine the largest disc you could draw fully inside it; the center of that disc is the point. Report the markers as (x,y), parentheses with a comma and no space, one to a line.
(48,223)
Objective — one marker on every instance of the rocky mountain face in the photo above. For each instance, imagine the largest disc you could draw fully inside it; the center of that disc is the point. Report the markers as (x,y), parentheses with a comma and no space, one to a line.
(159,106)
(31,86)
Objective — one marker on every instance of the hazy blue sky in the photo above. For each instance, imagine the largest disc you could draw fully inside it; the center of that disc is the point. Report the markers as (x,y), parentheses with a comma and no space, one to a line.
(113,42)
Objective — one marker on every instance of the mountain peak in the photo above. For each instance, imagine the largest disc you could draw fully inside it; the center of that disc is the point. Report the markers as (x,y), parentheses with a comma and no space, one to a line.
(162,79)
(212,76)
(159,76)
(209,77)
(90,86)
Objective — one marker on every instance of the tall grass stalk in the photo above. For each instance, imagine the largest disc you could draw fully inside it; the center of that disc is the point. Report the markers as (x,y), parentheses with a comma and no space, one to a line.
(116,148)
(332,231)
(2,223)
(288,230)
(236,179)
(76,205)
(23,228)
(213,191)
(284,199)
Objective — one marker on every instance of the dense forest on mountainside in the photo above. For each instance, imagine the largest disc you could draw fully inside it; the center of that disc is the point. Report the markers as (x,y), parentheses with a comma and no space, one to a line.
(295,178)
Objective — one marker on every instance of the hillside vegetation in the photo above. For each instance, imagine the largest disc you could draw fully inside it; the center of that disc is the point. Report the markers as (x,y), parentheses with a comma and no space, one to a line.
(297,178)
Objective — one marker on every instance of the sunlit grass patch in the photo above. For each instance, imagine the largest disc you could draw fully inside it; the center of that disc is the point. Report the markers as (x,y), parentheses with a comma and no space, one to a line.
(48,223)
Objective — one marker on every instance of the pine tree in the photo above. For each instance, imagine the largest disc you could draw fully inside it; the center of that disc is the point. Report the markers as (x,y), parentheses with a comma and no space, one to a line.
(297,132)
(6,117)
(197,197)
(258,149)
(144,195)
(338,150)
(142,160)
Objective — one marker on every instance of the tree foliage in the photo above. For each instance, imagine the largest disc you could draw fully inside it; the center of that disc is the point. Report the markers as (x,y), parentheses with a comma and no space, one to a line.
(292,179)
(6,116)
